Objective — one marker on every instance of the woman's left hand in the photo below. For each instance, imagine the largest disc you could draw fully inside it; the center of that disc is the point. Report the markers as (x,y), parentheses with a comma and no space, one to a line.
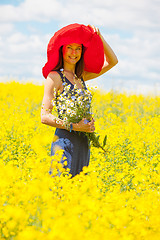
(84,125)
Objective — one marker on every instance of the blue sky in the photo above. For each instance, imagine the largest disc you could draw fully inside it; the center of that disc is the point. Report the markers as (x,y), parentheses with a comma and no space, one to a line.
(132,29)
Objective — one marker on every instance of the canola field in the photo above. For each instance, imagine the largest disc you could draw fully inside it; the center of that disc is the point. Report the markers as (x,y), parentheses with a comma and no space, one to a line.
(117,197)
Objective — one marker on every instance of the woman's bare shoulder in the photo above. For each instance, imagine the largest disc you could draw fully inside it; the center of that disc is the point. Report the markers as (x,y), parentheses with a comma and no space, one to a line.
(55,78)
(54,75)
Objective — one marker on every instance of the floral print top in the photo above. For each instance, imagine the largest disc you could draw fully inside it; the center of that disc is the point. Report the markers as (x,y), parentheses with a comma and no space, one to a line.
(73,103)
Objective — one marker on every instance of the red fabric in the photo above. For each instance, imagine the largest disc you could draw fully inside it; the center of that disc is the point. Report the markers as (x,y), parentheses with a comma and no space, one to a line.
(81,34)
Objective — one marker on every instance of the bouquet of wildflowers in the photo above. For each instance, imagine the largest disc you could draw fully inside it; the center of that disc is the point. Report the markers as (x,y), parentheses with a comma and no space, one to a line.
(74,105)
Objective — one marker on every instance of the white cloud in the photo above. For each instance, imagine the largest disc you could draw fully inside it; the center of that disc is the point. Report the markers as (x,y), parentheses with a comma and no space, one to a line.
(20,43)
(138,56)
(21,55)
(6,28)
(122,14)
(118,14)
(29,10)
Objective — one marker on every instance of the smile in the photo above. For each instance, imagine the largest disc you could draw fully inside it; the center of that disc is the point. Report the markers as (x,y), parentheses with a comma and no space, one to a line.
(73,58)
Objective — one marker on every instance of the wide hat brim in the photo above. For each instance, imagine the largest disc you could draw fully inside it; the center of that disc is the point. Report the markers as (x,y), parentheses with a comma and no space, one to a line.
(81,34)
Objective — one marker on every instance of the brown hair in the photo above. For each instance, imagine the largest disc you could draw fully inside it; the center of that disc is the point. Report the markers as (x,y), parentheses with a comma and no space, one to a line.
(79,65)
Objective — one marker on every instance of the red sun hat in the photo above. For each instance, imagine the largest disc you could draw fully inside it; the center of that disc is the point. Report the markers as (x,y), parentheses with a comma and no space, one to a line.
(76,33)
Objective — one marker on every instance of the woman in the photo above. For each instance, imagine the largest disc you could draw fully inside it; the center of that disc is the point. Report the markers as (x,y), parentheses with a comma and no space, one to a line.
(83,54)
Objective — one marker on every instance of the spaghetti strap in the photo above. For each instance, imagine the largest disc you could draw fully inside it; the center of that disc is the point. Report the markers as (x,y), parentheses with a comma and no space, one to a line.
(83,83)
(61,75)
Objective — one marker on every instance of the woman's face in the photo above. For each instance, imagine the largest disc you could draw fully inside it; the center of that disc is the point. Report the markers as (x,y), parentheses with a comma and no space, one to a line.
(72,53)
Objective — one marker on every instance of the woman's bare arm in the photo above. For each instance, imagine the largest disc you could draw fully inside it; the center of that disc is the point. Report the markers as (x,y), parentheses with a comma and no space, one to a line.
(51,87)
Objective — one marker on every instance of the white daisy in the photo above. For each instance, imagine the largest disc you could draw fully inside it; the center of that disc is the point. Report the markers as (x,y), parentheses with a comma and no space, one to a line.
(65,118)
(68,110)
(72,104)
(68,102)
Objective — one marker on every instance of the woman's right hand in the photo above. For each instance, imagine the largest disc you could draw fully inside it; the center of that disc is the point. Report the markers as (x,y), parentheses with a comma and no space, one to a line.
(84,126)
